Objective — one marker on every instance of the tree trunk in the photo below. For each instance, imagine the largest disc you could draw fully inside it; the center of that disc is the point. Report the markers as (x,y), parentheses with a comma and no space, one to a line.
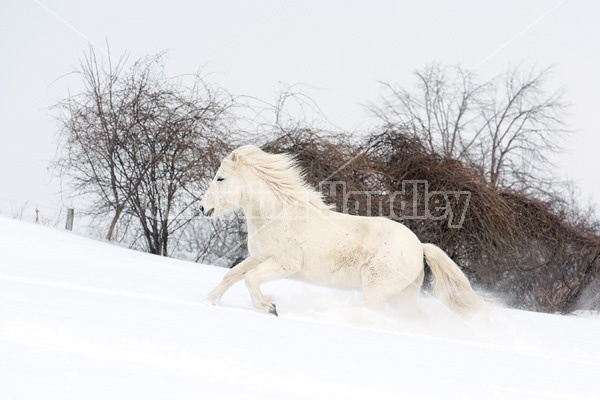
(113,224)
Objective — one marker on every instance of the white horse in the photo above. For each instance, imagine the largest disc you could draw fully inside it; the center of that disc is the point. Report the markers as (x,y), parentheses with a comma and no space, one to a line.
(292,233)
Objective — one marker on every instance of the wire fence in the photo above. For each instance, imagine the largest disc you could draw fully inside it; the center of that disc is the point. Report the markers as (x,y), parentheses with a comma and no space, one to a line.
(31,211)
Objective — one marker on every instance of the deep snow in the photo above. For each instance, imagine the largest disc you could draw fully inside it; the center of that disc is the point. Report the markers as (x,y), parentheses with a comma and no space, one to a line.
(83,319)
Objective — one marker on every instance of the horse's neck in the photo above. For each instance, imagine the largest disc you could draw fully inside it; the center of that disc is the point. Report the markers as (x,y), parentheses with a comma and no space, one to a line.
(262,211)
(262,207)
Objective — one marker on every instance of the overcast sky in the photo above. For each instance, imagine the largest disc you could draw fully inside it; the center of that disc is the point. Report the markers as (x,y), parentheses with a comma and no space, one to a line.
(338,49)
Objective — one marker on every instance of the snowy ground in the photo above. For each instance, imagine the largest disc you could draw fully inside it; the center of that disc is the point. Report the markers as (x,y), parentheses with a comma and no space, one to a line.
(82,319)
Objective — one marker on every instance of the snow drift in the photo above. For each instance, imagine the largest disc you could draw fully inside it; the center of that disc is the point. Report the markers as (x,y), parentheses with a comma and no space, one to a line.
(83,319)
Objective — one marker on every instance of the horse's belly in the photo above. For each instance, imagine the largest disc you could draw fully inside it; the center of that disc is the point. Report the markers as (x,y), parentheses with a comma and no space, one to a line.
(328,274)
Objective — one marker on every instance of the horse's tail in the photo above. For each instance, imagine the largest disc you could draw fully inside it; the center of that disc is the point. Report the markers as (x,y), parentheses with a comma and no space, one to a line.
(449,283)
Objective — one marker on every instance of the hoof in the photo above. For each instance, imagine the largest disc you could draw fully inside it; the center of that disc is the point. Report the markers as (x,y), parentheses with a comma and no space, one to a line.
(273,309)
(213,300)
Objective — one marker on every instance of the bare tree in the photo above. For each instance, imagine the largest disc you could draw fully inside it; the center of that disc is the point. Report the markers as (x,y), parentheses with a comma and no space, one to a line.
(522,126)
(140,144)
(442,110)
(506,127)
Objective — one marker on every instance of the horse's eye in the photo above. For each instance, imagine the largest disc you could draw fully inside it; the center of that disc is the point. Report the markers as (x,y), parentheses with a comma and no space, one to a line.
(219,179)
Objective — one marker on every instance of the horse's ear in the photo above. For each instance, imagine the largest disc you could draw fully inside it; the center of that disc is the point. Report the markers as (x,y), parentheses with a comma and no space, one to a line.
(236,158)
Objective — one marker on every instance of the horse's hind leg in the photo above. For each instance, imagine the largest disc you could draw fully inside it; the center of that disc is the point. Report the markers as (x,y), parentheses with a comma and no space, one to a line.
(375,290)
(406,302)
(381,283)
(375,300)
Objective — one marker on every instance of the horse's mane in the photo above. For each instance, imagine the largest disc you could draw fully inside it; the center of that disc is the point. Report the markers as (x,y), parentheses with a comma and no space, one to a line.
(281,174)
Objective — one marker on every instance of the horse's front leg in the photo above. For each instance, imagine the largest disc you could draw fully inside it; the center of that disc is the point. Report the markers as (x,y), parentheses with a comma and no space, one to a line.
(232,276)
(266,271)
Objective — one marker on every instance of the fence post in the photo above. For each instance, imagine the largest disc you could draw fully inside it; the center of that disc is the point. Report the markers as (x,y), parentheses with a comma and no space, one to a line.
(70,216)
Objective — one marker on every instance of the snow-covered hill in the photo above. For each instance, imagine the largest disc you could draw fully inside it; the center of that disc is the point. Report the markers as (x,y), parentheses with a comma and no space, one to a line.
(82,319)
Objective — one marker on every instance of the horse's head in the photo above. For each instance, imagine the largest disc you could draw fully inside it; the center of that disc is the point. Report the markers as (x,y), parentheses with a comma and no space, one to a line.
(259,182)
(225,191)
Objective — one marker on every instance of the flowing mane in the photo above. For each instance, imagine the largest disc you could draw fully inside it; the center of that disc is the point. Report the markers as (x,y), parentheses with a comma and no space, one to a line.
(281,174)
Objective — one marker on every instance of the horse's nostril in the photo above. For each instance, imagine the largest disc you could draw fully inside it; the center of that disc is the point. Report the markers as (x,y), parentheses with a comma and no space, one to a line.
(202,209)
